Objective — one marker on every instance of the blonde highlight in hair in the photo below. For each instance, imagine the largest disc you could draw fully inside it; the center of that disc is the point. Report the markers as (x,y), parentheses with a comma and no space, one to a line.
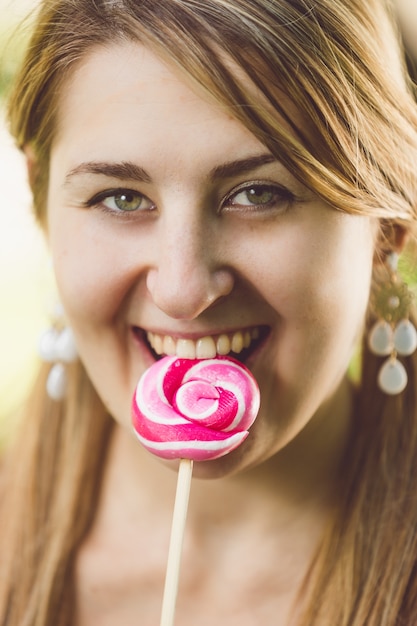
(50,490)
(321,83)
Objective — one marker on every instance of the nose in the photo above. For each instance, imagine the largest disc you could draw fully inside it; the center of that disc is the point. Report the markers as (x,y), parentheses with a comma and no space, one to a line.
(188,275)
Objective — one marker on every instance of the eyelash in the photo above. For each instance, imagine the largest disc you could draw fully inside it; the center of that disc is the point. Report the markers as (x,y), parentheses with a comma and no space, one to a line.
(97,201)
(281,198)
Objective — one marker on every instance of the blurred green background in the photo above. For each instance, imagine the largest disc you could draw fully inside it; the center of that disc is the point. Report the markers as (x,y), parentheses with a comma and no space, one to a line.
(25,282)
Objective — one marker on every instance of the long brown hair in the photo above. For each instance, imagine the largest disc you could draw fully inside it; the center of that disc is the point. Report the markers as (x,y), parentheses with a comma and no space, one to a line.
(338,64)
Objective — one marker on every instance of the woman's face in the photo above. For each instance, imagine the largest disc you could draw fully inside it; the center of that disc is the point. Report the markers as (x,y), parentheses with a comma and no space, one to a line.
(172,226)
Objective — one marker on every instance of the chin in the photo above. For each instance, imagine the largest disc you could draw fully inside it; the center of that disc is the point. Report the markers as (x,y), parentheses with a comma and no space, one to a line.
(230,464)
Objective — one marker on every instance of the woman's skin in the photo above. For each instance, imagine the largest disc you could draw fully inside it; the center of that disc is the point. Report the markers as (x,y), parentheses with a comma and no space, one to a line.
(167,216)
(407,14)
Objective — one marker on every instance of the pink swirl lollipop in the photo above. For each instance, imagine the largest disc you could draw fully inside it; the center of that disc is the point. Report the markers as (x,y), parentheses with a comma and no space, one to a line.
(194,409)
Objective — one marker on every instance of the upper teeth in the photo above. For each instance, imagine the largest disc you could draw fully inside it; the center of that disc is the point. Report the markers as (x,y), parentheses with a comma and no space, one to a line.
(205,347)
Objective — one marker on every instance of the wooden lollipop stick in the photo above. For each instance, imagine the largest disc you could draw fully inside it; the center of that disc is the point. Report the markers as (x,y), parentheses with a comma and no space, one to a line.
(175,546)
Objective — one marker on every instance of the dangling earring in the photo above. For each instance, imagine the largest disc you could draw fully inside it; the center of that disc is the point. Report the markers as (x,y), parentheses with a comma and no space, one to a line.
(57,346)
(393,334)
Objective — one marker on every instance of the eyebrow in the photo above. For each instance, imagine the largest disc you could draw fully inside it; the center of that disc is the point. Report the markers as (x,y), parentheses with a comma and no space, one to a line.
(234,168)
(122,171)
(127,170)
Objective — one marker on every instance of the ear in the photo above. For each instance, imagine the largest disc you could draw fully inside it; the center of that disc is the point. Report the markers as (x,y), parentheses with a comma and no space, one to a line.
(401,238)
(392,237)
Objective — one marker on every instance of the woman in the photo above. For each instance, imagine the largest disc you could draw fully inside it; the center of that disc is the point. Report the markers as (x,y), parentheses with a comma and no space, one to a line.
(220,176)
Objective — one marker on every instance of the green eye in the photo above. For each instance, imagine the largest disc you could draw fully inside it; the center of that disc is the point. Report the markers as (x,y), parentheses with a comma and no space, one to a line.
(121,201)
(255,195)
(259,196)
(127,201)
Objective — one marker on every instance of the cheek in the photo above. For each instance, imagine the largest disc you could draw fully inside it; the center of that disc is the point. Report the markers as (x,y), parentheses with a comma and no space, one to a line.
(91,270)
(334,300)
(321,273)
(318,283)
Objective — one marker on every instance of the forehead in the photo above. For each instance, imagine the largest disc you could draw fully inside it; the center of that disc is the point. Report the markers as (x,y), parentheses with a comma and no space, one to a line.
(125,98)
(125,77)
(127,74)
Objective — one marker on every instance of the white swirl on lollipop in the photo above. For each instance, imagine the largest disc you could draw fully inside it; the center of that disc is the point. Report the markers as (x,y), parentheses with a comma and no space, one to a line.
(194,409)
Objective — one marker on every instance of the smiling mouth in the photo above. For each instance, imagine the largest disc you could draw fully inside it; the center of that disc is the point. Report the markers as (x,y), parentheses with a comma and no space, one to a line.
(239,344)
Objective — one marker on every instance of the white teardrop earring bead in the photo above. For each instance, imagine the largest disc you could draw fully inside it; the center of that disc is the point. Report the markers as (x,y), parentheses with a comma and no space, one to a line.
(48,345)
(405,338)
(66,349)
(56,383)
(392,377)
(381,338)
